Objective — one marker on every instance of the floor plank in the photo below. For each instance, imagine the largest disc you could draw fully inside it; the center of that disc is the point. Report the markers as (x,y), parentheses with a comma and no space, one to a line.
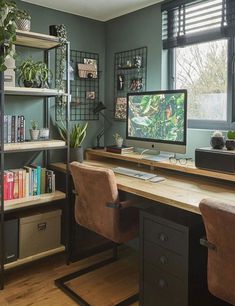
(34,284)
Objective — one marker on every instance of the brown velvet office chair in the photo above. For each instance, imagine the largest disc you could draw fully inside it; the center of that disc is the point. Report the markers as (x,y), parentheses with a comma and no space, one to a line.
(219,220)
(99,209)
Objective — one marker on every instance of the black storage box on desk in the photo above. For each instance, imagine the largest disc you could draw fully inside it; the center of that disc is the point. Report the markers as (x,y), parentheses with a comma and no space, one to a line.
(215,160)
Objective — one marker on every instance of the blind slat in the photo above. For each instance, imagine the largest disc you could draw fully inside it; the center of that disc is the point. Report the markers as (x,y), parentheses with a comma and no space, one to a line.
(186,22)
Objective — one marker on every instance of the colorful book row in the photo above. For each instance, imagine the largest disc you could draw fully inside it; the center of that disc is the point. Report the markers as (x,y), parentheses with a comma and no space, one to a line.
(14,128)
(28,181)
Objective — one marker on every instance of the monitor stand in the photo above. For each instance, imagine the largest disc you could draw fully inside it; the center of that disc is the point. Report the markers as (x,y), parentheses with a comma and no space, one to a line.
(159,157)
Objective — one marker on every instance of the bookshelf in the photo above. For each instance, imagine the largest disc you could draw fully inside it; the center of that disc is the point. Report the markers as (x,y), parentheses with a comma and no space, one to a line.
(17,207)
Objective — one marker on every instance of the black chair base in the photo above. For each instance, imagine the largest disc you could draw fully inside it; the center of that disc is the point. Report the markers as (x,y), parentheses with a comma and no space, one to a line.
(61,282)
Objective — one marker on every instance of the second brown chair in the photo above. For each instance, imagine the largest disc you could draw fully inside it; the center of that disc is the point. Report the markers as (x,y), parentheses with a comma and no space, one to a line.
(99,209)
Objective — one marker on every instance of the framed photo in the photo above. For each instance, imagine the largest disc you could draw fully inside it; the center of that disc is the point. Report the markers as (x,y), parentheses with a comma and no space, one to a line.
(90,95)
(136,84)
(120,109)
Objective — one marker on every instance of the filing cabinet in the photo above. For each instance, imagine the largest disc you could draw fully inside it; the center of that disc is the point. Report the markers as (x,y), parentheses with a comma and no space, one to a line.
(173,264)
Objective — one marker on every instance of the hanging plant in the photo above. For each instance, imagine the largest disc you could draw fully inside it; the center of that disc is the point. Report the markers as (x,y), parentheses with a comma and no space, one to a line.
(61,32)
(9,15)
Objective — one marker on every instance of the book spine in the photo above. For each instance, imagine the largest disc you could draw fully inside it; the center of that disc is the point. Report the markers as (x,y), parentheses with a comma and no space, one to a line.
(10,184)
(20,183)
(5,129)
(43,180)
(9,129)
(49,178)
(16,184)
(18,128)
(39,169)
(21,128)
(26,184)
(13,122)
(5,187)
(53,182)
(34,175)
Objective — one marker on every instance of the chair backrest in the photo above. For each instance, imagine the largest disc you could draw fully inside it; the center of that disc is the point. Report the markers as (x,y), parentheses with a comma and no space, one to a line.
(96,187)
(219,220)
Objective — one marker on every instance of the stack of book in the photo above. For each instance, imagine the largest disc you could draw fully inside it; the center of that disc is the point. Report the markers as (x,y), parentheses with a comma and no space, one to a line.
(14,128)
(119,150)
(29,181)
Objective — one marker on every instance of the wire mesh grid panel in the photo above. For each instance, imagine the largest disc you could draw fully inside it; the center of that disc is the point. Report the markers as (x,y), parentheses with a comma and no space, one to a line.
(130,75)
(84,85)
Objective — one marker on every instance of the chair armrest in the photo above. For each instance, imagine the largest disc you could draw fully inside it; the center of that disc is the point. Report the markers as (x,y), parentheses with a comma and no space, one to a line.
(204,242)
(121,205)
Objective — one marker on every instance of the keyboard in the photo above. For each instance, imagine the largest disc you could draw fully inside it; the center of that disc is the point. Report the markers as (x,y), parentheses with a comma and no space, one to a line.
(134,173)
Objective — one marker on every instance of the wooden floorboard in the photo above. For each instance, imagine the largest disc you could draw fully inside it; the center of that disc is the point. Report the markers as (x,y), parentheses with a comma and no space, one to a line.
(34,284)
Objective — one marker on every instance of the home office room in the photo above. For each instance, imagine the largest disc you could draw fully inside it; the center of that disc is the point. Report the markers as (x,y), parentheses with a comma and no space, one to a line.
(117,153)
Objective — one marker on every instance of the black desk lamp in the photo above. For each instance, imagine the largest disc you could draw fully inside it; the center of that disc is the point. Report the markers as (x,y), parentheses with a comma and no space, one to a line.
(98,110)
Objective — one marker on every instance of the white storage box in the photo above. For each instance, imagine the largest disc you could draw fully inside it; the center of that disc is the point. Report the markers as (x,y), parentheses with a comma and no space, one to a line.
(39,233)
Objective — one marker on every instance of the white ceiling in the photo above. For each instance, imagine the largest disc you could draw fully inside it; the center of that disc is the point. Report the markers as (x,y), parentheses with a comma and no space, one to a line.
(102,10)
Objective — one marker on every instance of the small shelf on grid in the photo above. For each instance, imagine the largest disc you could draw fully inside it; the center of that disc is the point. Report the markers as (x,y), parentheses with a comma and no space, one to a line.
(25,91)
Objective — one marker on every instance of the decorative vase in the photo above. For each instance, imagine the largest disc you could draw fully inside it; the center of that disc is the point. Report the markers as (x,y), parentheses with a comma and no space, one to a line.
(217,142)
(230,144)
(23,24)
(34,134)
(119,142)
(76,154)
(44,133)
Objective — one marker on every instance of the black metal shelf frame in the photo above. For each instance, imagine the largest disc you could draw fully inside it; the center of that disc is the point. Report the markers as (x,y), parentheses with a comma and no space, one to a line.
(46,153)
(130,75)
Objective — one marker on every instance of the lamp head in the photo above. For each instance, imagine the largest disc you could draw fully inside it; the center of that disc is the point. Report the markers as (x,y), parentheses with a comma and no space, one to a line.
(99,107)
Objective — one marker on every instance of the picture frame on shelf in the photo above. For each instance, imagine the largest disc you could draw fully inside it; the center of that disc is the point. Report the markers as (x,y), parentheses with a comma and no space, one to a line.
(120,108)
(87,71)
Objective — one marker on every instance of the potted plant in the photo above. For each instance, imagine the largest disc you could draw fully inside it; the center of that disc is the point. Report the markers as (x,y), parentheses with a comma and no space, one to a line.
(9,14)
(76,137)
(23,20)
(217,140)
(33,74)
(118,140)
(34,131)
(230,142)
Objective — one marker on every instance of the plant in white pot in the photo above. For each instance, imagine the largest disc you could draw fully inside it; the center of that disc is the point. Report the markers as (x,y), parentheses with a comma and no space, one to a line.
(118,140)
(34,131)
(23,20)
(76,137)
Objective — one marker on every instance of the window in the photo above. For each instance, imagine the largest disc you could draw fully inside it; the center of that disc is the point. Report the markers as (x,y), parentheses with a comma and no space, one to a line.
(199,37)
(202,70)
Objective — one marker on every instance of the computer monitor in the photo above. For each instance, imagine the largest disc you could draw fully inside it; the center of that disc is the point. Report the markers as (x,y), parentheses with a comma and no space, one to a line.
(157,120)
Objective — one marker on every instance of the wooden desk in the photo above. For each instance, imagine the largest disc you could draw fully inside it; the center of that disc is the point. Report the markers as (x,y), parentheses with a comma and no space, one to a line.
(181,188)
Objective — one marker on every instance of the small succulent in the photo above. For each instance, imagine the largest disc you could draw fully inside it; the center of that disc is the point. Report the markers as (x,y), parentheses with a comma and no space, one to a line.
(117,136)
(217,134)
(231,135)
(34,125)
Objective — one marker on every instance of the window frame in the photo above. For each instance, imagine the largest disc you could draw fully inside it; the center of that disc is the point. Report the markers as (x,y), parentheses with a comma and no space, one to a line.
(211,124)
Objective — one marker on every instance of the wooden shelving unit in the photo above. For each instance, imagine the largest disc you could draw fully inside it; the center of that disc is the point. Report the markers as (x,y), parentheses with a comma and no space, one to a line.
(25,91)
(12,207)
(29,259)
(34,200)
(34,145)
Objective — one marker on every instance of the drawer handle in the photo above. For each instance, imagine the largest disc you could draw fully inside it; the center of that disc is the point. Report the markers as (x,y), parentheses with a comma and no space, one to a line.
(162,283)
(163,260)
(163,237)
(42,226)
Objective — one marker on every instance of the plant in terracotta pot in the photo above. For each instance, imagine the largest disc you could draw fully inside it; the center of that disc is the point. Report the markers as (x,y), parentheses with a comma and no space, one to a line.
(9,15)
(230,142)
(34,131)
(118,140)
(76,138)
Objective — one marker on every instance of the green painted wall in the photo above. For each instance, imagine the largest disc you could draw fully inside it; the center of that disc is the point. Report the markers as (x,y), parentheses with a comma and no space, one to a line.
(137,29)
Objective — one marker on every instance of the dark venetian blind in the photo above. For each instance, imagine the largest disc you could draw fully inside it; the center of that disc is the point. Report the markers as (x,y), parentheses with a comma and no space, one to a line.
(187,22)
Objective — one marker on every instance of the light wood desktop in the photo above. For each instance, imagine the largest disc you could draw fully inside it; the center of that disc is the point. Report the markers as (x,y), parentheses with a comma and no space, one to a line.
(184,187)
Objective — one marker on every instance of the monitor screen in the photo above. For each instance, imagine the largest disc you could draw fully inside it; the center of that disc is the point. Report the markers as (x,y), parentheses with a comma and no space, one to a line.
(157,117)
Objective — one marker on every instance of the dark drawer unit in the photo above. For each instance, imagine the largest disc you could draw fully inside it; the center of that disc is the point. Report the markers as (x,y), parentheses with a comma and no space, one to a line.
(173,264)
